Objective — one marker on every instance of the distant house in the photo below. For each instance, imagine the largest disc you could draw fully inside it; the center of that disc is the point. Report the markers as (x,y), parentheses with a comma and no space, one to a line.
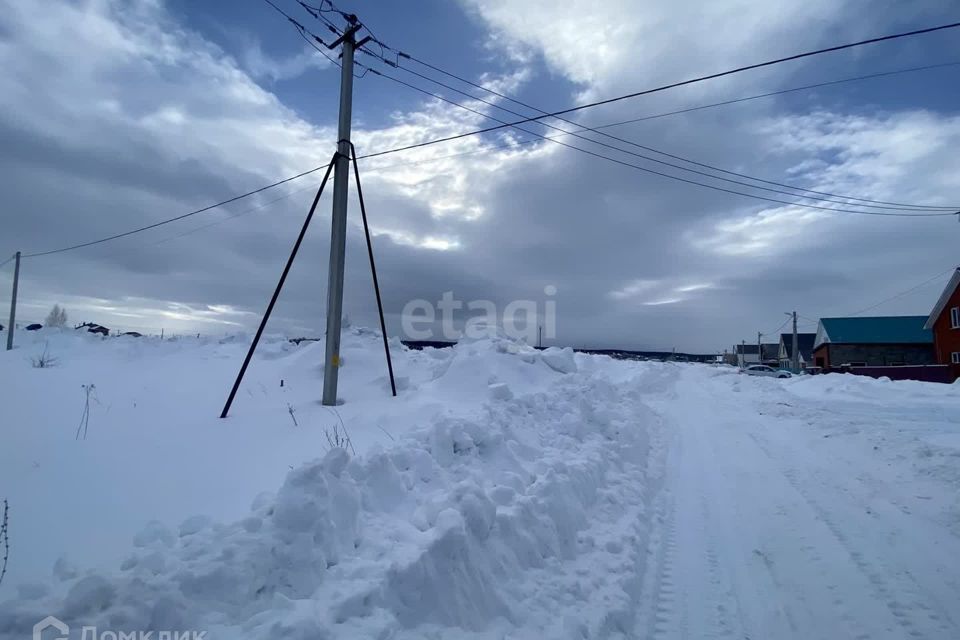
(746,354)
(944,322)
(770,354)
(93,328)
(804,347)
(875,342)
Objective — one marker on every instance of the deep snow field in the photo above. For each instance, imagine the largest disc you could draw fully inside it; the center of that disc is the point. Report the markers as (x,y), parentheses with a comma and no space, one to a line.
(506,493)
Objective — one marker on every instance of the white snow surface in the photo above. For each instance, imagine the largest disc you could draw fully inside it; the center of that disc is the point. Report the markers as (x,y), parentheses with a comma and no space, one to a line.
(505,493)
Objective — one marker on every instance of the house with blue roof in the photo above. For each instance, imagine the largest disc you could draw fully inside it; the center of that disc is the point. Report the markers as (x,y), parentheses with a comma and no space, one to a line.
(873,342)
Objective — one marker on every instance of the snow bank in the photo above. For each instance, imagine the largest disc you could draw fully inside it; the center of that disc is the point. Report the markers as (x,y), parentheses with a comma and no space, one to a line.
(559,359)
(850,385)
(504,495)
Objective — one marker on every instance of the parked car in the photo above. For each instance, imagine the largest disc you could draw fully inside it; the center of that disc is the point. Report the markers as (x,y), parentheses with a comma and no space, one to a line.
(764,370)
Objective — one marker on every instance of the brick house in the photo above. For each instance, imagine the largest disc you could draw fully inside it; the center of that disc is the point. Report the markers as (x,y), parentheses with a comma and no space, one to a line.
(873,342)
(944,322)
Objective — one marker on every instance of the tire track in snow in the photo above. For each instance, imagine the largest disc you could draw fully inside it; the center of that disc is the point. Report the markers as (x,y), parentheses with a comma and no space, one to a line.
(687,594)
(904,600)
(756,570)
(658,599)
(727,615)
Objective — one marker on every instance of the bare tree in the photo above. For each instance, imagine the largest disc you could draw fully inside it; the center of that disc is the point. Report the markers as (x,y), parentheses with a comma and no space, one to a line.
(57,317)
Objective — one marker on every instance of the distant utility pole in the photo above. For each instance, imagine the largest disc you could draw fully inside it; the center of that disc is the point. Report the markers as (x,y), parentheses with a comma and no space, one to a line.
(13,303)
(795,360)
(338,231)
(743,353)
(759,347)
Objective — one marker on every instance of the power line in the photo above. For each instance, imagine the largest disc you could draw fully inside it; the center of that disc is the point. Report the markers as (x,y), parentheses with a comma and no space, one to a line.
(301,30)
(659,173)
(673,85)
(903,207)
(903,293)
(780,92)
(891,298)
(259,207)
(174,219)
(825,196)
(501,126)
(711,105)
(777,330)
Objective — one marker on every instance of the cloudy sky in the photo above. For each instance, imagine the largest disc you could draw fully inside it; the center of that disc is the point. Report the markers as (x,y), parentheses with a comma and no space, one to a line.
(117,114)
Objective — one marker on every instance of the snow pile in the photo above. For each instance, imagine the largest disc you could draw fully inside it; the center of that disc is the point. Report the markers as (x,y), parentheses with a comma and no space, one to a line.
(864,387)
(507,493)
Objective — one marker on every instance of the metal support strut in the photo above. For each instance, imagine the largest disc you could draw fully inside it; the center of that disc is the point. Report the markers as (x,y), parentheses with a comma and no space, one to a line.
(373,269)
(276,292)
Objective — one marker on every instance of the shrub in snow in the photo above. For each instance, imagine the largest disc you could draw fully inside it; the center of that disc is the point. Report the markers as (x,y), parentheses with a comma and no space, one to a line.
(4,539)
(44,360)
(337,437)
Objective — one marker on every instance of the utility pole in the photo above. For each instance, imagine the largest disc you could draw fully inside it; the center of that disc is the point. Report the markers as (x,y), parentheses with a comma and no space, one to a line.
(13,303)
(743,354)
(795,361)
(338,230)
(759,348)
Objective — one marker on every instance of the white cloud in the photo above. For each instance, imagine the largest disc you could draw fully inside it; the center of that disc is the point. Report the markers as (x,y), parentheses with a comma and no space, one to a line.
(260,65)
(616,43)
(137,117)
(633,289)
(893,157)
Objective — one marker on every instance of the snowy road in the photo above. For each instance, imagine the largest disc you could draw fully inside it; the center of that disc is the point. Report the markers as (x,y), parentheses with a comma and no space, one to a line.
(762,536)
(506,494)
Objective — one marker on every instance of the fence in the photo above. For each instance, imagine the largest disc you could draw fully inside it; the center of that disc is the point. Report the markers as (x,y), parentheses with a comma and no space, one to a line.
(921,372)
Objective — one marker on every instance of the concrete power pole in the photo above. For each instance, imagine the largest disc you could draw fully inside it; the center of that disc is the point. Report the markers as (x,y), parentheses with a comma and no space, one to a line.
(759,348)
(13,303)
(795,360)
(338,232)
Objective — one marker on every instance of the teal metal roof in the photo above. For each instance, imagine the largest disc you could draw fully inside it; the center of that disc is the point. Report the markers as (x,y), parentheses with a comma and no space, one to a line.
(878,330)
